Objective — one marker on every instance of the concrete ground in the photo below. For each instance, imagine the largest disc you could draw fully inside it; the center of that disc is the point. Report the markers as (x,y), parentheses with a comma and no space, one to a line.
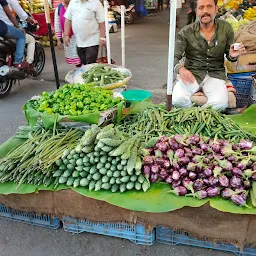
(146,56)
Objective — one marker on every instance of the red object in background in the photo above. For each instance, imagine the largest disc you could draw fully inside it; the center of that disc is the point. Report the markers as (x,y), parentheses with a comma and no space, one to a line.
(40,18)
(55,3)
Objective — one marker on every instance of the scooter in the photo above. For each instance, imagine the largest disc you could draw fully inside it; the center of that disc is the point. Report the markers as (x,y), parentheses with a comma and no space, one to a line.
(129,13)
(10,75)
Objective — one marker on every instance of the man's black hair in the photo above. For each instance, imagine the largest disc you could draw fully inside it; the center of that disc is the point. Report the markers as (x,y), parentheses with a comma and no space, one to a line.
(215,2)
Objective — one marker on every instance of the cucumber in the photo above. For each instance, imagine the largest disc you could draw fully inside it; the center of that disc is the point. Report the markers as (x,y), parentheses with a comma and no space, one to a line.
(58,173)
(103,171)
(109,173)
(138,173)
(97,149)
(106,186)
(87,164)
(92,160)
(98,185)
(79,168)
(107,166)
(92,185)
(112,181)
(100,165)
(114,162)
(62,180)
(141,178)
(123,162)
(124,173)
(138,186)
(82,155)
(70,167)
(116,174)
(76,156)
(110,159)
(130,185)
(100,145)
(65,153)
(86,168)
(79,161)
(125,179)
(119,167)
(66,174)
(113,168)
(84,182)
(122,188)
(89,177)
(86,159)
(114,188)
(72,152)
(133,178)
(90,155)
(72,161)
(96,153)
(69,157)
(145,185)
(83,174)
(118,159)
(103,159)
(70,181)
(75,174)
(62,167)
(105,179)
(118,181)
(96,176)
(96,159)
(93,169)
(66,161)
(59,162)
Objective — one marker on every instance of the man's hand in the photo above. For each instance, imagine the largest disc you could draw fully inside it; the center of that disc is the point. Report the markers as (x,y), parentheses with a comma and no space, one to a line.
(23,30)
(60,44)
(235,53)
(67,40)
(102,41)
(186,76)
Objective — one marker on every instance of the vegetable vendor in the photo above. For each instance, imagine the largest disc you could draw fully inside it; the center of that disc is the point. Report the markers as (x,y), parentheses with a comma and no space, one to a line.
(204,44)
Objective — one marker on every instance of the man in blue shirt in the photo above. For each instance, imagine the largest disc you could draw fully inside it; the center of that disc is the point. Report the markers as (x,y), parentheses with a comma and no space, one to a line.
(14,32)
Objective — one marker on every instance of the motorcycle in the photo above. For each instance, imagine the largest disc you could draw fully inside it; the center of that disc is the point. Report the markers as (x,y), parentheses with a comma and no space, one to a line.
(129,13)
(10,75)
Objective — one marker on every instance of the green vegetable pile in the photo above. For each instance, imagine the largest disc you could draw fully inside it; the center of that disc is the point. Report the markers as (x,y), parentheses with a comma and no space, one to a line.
(156,121)
(33,161)
(75,100)
(101,75)
(104,159)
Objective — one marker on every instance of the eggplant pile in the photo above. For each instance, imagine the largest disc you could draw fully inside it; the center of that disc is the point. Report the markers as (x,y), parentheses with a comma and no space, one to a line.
(202,167)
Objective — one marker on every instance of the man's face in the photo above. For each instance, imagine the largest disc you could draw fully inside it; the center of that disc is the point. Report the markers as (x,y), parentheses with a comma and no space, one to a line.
(206,11)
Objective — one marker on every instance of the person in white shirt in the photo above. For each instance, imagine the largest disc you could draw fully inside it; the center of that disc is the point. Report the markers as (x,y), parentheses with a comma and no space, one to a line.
(86,18)
(30,41)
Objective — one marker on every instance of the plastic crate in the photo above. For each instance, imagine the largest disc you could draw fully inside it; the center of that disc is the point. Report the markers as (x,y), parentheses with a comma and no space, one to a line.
(136,233)
(243,84)
(171,237)
(30,218)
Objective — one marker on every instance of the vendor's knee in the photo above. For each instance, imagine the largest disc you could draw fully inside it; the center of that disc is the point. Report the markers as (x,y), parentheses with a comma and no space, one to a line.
(181,101)
(219,103)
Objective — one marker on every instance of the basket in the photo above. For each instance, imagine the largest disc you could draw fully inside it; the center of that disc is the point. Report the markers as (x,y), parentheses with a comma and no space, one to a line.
(171,237)
(44,221)
(243,84)
(75,76)
(136,233)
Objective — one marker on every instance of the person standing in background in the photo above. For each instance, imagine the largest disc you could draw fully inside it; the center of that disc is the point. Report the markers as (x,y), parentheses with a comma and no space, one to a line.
(191,11)
(86,18)
(59,21)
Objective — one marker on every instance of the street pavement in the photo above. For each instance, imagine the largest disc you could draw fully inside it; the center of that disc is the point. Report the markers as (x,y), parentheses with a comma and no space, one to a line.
(146,56)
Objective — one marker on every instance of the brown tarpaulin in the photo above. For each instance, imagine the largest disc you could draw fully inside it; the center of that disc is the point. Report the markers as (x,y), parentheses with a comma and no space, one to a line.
(203,222)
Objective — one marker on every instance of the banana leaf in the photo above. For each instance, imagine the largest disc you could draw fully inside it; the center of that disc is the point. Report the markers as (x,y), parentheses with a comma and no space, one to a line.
(156,199)
(32,116)
(247,120)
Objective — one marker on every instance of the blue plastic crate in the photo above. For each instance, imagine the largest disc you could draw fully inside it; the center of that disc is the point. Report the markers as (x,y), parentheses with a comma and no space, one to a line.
(243,84)
(136,233)
(171,237)
(34,219)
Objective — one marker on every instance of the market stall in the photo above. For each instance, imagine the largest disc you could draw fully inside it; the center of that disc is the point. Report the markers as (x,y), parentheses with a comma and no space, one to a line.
(143,166)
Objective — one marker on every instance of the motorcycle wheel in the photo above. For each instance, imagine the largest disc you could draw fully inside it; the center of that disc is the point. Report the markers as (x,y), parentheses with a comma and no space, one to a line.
(5,87)
(129,19)
(39,59)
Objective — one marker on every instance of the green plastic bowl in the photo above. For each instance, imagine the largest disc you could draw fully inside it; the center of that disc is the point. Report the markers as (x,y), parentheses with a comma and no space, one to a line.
(136,95)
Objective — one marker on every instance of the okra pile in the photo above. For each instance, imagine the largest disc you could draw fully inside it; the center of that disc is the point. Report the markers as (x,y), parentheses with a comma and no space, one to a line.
(105,159)
(202,167)
(156,121)
(101,75)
